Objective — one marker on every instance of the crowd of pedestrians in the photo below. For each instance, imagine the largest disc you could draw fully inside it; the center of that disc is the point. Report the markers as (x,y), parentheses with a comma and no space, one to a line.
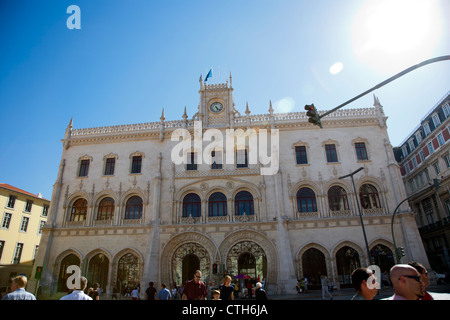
(408,280)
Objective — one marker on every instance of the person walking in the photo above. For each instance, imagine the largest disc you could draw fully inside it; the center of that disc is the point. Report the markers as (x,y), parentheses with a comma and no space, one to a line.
(174,291)
(18,292)
(195,289)
(426,282)
(94,293)
(260,293)
(78,293)
(150,292)
(135,294)
(325,292)
(164,293)
(364,283)
(407,283)
(250,289)
(226,289)
(302,286)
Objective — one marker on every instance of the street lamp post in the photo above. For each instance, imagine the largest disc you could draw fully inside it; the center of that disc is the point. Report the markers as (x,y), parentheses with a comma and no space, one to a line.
(359,210)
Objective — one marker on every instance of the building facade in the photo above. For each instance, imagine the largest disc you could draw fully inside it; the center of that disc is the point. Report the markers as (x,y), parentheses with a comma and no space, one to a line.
(23,217)
(127,211)
(424,161)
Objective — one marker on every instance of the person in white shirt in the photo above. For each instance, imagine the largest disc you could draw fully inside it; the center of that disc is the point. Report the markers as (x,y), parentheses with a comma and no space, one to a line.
(135,294)
(78,294)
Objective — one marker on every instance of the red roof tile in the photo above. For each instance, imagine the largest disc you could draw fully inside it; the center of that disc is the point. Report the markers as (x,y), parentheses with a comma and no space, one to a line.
(10,187)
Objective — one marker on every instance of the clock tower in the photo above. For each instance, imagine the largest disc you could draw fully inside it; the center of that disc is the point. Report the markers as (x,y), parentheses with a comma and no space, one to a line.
(216,106)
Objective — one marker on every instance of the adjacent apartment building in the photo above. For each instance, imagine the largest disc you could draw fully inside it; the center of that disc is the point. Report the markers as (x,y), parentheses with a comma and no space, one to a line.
(424,159)
(22,218)
(127,211)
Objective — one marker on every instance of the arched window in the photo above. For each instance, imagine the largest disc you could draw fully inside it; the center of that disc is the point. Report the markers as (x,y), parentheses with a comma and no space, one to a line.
(105,209)
(192,205)
(133,208)
(337,199)
(369,197)
(79,210)
(306,200)
(243,203)
(217,205)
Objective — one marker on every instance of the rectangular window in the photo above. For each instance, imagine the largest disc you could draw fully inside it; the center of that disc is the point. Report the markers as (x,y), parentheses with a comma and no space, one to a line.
(430,147)
(41,225)
(216,159)
(11,202)
(436,120)
(418,137)
(45,210)
(192,161)
(136,164)
(28,206)
(426,127)
(411,145)
(422,182)
(427,175)
(18,253)
(446,109)
(441,139)
(84,168)
(6,220)
(361,152)
(330,150)
(36,248)
(411,185)
(404,151)
(24,224)
(2,246)
(436,167)
(447,160)
(241,158)
(109,166)
(422,155)
(300,155)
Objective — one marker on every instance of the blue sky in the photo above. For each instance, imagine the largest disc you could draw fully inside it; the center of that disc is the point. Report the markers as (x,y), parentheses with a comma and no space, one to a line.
(131,59)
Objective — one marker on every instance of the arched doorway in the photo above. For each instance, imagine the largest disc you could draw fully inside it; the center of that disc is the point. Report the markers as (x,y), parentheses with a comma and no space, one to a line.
(347,260)
(383,257)
(247,258)
(186,259)
(313,266)
(191,263)
(98,270)
(69,260)
(128,272)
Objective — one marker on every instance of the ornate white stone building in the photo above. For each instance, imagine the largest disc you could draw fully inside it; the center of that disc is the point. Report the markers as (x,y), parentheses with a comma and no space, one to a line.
(126,214)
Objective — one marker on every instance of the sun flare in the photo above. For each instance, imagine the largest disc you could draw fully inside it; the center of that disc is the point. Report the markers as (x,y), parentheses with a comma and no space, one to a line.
(392,34)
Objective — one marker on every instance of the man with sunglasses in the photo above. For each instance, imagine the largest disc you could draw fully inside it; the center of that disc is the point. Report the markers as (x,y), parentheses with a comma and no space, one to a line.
(407,283)
(195,289)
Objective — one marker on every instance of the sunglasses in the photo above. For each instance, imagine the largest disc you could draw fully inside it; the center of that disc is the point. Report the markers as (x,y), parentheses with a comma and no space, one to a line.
(417,278)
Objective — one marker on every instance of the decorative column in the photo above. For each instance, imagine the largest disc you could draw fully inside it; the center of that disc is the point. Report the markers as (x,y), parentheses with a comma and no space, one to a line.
(151,265)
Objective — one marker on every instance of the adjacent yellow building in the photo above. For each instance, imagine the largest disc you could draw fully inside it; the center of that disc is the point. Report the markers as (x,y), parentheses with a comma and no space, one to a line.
(23,215)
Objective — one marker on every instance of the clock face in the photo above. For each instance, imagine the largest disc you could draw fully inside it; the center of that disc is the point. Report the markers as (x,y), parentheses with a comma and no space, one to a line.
(216,107)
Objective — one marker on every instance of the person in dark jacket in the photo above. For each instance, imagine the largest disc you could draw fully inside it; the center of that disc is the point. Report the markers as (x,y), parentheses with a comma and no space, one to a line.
(260,294)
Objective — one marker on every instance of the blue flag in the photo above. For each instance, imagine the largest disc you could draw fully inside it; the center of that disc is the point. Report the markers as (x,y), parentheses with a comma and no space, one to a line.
(208,75)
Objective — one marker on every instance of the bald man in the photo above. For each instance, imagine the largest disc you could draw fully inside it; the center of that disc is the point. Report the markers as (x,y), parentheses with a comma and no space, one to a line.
(407,283)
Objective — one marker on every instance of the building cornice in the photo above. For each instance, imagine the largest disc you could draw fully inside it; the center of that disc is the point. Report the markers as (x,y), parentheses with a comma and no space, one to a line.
(281,121)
